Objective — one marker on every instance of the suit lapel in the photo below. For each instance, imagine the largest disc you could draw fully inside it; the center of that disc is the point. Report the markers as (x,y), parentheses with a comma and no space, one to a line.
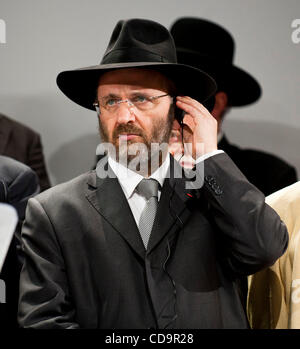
(172,211)
(107,197)
(5,129)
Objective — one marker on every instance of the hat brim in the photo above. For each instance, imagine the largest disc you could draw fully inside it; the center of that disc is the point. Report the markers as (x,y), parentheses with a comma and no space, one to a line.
(80,85)
(241,87)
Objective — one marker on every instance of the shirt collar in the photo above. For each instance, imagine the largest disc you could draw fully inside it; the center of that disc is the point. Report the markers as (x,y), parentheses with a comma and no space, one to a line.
(129,179)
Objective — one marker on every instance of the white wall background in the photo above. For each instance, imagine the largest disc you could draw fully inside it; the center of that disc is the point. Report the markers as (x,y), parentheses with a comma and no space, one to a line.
(45,37)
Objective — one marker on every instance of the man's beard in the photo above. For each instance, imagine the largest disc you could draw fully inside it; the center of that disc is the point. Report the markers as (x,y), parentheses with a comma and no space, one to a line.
(130,151)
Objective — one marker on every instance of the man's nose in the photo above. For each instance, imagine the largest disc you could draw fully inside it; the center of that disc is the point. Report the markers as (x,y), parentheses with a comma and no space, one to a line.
(125,112)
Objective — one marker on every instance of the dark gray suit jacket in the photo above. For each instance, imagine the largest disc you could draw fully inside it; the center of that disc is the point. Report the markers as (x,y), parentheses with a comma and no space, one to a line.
(86,266)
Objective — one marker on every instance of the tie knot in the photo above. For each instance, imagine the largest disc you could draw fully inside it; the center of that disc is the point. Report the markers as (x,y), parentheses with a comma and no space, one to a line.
(148,188)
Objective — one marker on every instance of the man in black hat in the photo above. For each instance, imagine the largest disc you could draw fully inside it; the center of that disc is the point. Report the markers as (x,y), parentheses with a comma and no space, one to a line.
(145,247)
(211,49)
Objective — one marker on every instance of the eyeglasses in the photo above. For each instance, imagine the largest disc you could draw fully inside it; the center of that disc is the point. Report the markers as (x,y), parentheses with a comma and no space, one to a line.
(141,101)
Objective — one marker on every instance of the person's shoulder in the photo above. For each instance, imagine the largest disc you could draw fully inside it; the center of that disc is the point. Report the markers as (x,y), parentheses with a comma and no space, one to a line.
(67,191)
(10,169)
(258,156)
(267,159)
(17,126)
(287,195)
(286,202)
(251,155)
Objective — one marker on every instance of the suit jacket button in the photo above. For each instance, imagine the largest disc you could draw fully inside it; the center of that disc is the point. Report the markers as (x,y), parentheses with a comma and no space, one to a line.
(208,178)
(219,191)
(215,186)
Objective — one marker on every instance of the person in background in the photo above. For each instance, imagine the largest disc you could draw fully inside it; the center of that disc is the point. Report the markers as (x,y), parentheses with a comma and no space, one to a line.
(21,143)
(210,47)
(274,293)
(18,183)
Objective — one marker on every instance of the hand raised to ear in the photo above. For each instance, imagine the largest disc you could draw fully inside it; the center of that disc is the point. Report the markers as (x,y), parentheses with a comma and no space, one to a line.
(200,127)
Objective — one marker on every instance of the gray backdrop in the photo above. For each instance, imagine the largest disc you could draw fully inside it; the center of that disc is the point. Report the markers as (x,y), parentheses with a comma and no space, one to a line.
(44,37)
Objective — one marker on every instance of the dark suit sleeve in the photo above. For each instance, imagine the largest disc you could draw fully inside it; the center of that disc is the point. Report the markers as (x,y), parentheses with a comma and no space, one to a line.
(37,163)
(44,294)
(251,234)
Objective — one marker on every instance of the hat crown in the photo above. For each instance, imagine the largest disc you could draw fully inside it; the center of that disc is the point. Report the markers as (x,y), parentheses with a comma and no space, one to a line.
(137,44)
(140,40)
(202,37)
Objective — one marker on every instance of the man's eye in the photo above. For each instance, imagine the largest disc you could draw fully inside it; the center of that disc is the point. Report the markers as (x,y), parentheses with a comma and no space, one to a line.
(140,99)
(111,102)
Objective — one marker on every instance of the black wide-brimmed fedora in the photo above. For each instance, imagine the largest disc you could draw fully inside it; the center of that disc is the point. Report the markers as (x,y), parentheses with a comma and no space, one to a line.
(208,46)
(137,43)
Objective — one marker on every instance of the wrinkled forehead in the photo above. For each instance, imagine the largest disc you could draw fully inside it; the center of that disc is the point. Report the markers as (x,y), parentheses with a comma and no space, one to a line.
(135,78)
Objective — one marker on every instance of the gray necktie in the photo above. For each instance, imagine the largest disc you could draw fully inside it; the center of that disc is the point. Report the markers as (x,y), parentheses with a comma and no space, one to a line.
(149,189)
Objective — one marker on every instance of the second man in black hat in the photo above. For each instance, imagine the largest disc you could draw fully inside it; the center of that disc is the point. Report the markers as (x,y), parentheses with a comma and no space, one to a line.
(211,48)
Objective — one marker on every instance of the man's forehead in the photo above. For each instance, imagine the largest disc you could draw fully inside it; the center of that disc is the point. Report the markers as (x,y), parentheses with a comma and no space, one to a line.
(136,78)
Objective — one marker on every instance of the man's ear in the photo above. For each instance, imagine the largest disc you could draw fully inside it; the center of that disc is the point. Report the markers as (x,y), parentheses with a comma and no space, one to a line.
(221,103)
(176,125)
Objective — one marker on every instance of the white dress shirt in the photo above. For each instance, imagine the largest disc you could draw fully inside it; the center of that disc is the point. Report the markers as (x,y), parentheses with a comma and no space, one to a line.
(129,180)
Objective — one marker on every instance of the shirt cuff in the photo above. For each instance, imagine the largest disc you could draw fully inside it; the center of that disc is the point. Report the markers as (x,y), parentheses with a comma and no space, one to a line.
(208,155)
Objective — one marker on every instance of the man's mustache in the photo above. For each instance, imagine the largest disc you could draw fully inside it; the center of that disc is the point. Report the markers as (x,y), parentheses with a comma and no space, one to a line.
(129,129)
